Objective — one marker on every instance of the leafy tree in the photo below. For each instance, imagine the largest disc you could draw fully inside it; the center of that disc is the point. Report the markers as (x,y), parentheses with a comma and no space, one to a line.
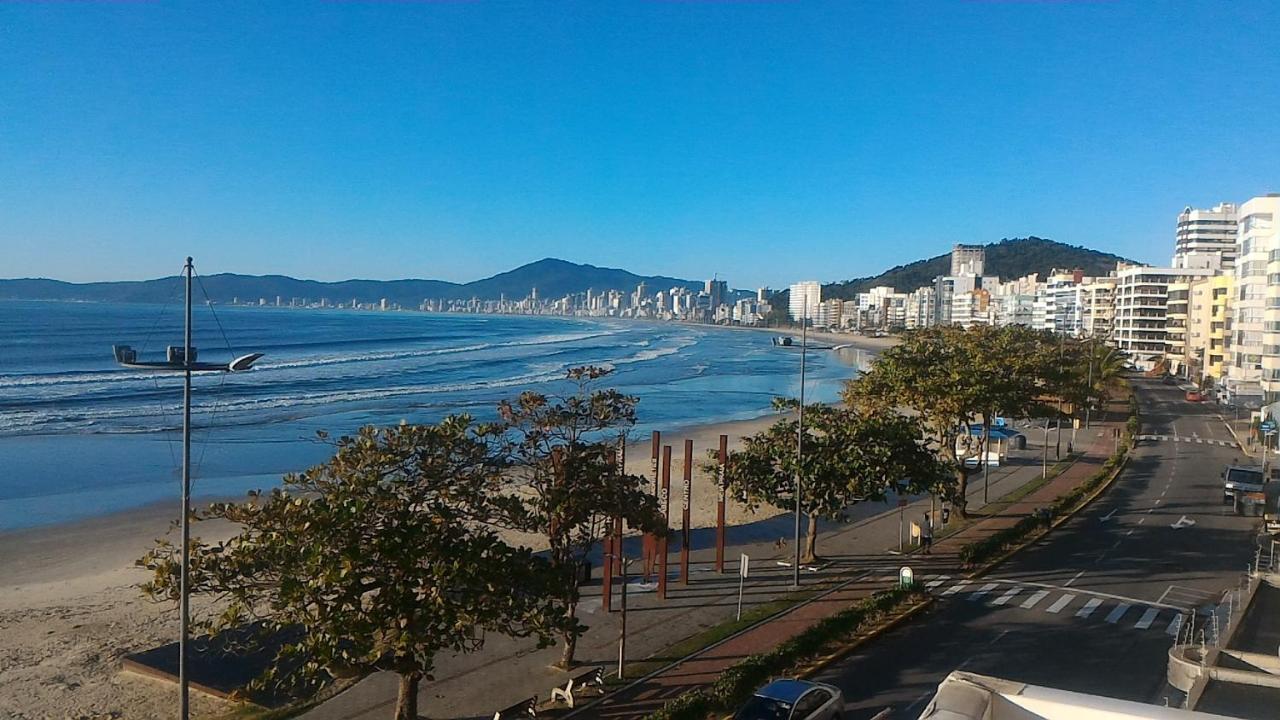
(378,559)
(559,456)
(848,457)
(933,373)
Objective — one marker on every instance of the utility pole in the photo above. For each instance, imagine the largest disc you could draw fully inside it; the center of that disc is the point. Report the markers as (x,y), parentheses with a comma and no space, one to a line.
(804,346)
(128,357)
(184,704)
(1088,395)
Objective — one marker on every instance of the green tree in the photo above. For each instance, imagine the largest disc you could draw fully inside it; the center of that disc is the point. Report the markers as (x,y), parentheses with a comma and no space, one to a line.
(848,457)
(933,374)
(559,456)
(378,559)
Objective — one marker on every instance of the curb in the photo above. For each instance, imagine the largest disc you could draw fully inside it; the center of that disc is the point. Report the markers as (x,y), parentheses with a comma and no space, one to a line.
(821,663)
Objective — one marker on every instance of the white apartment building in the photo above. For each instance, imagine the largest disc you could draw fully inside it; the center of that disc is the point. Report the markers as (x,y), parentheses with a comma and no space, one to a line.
(1098,306)
(919,310)
(1206,238)
(805,294)
(1141,324)
(1255,328)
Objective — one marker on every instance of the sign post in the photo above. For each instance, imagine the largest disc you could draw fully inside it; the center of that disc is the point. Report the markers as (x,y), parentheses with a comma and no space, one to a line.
(906,578)
(902,513)
(722,481)
(743,564)
(684,516)
(664,502)
(651,540)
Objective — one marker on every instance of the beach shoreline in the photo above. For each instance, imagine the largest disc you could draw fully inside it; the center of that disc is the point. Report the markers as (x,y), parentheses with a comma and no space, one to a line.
(70,607)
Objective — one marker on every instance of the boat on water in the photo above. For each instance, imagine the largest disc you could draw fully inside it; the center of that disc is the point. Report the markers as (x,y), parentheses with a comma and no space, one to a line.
(782,340)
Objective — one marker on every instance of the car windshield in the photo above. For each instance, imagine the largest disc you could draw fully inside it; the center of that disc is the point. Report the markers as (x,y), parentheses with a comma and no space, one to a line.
(1247,477)
(763,708)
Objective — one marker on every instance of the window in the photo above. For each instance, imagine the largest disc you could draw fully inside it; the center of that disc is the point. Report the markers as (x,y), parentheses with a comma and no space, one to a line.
(810,703)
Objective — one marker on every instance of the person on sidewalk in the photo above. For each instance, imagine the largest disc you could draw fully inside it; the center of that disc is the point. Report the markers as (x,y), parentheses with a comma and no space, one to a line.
(926,534)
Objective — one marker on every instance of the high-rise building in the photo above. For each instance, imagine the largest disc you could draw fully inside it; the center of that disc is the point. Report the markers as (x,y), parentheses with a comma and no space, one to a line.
(718,290)
(920,310)
(1254,347)
(1207,326)
(968,259)
(805,299)
(1206,238)
(1142,313)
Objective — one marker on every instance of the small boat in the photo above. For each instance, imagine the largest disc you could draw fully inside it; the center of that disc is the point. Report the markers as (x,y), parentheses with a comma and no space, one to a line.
(175,360)
(782,340)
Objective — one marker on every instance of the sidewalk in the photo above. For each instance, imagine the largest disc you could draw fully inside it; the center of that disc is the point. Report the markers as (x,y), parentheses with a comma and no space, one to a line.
(507,671)
(637,701)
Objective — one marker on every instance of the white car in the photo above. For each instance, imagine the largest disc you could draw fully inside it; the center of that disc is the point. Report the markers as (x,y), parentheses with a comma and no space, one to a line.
(793,700)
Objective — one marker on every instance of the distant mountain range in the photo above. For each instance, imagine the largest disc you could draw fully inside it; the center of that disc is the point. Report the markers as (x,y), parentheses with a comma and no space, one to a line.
(553,279)
(1007,259)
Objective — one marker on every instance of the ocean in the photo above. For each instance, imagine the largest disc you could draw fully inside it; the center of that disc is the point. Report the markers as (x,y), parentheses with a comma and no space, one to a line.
(82,437)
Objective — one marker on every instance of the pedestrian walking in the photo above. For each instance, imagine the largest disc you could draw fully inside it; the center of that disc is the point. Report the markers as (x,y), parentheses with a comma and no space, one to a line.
(926,534)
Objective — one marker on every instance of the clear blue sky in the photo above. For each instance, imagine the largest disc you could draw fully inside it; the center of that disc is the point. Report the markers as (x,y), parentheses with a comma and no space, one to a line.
(767,142)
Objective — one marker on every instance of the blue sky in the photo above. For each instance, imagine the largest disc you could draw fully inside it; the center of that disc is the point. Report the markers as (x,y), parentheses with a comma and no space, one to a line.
(766,142)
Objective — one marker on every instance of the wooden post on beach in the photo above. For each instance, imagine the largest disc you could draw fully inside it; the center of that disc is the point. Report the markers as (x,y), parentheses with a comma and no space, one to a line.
(684,516)
(651,540)
(664,502)
(612,551)
(722,481)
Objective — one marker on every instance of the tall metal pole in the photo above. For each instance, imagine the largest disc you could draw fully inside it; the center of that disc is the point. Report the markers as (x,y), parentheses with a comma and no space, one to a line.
(804,347)
(184,705)
(1088,396)
(1057,452)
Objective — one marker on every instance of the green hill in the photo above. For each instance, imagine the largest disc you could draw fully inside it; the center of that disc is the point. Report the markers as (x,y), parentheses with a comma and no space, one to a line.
(1008,259)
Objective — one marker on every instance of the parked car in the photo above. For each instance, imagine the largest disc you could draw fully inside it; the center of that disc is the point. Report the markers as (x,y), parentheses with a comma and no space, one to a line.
(1194,396)
(1169,380)
(793,700)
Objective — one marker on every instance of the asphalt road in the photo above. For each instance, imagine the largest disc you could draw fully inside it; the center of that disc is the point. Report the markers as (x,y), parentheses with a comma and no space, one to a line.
(1095,605)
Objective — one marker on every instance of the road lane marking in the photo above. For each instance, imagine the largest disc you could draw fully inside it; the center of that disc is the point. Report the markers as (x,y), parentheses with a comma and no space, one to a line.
(1073,579)
(938,581)
(982,591)
(1141,520)
(1129,533)
(1061,603)
(955,588)
(1147,618)
(1174,625)
(1118,613)
(1088,608)
(1007,596)
(1035,599)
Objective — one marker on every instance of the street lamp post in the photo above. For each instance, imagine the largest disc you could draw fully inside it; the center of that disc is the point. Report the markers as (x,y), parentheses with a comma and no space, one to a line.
(186,362)
(804,347)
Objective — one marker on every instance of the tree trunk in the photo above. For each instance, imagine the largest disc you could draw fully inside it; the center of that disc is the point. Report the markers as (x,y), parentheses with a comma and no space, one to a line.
(407,699)
(961,501)
(811,541)
(569,647)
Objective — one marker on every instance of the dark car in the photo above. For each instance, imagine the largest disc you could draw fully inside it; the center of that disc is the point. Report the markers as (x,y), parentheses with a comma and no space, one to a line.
(1169,380)
(793,700)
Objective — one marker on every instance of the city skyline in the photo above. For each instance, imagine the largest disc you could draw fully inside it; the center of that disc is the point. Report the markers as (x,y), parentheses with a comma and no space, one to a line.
(390,140)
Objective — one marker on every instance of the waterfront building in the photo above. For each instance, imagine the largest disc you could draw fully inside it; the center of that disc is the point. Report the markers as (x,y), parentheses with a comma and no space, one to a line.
(1142,312)
(1208,333)
(968,260)
(1206,238)
(920,309)
(1254,347)
(807,293)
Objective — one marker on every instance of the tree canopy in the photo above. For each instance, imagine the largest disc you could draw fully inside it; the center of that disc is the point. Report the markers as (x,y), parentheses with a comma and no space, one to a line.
(378,559)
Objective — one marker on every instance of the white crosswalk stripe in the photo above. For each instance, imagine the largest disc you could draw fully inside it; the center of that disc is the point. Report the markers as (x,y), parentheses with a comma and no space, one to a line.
(1007,596)
(1034,599)
(1088,608)
(1147,618)
(982,591)
(1061,603)
(1118,613)
(956,588)
(1174,625)
(937,581)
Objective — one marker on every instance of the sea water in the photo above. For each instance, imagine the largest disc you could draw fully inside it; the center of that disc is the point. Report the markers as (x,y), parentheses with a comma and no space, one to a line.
(81,436)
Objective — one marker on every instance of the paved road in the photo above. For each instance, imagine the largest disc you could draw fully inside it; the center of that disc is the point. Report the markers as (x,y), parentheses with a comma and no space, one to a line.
(1093,607)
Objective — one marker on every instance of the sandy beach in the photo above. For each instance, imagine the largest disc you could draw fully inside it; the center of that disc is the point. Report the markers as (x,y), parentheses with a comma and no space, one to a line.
(70,609)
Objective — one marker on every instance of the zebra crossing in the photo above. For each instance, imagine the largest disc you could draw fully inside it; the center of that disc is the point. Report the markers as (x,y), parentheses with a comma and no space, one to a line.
(1188,439)
(1082,604)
